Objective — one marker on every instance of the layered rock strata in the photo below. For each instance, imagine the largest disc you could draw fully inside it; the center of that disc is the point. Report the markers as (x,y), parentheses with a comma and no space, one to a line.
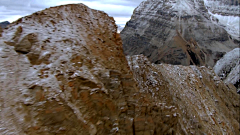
(179,32)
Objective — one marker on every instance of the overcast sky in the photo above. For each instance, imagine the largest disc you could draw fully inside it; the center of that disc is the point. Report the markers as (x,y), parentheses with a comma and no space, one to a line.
(121,10)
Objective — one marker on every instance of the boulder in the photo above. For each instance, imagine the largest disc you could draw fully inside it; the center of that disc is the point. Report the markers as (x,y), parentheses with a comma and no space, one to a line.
(63,71)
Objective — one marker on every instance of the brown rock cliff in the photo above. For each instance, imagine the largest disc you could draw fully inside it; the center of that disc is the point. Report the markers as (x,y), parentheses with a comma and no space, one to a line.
(63,71)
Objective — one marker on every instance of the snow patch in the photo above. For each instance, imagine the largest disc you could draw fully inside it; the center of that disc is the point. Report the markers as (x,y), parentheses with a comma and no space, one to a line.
(228,61)
(230,23)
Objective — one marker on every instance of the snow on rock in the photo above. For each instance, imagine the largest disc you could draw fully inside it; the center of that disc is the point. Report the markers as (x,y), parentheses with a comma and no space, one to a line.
(234,77)
(202,102)
(228,67)
(181,32)
(230,24)
(63,71)
(52,64)
(227,15)
(225,64)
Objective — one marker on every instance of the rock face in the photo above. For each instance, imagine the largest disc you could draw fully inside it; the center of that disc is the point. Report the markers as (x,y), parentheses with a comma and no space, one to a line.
(4,24)
(228,68)
(227,14)
(184,99)
(176,32)
(63,71)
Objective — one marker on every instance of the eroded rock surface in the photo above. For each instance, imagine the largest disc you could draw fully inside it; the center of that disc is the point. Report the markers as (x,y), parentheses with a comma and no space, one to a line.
(179,32)
(63,71)
(228,68)
(186,99)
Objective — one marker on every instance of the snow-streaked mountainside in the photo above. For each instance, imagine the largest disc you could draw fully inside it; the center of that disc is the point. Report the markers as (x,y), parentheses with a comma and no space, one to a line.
(225,64)
(228,67)
(227,12)
(186,32)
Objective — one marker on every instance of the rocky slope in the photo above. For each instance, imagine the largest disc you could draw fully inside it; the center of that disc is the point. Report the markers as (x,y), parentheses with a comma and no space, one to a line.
(228,68)
(63,71)
(185,99)
(177,32)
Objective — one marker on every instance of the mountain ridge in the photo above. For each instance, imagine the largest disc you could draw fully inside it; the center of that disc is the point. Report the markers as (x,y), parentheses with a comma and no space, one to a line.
(176,32)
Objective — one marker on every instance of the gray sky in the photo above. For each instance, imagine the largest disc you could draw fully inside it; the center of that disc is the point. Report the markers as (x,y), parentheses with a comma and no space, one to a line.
(121,10)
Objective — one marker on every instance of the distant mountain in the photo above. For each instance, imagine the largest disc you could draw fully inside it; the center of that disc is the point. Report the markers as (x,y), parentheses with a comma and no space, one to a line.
(4,24)
(120,28)
(182,32)
(226,14)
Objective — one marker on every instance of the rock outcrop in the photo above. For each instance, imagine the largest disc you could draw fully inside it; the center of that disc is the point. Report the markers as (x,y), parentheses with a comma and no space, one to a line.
(228,68)
(179,32)
(4,24)
(184,99)
(63,71)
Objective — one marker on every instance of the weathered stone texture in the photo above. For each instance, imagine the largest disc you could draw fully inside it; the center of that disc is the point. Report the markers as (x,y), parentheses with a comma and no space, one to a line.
(186,99)
(63,72)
